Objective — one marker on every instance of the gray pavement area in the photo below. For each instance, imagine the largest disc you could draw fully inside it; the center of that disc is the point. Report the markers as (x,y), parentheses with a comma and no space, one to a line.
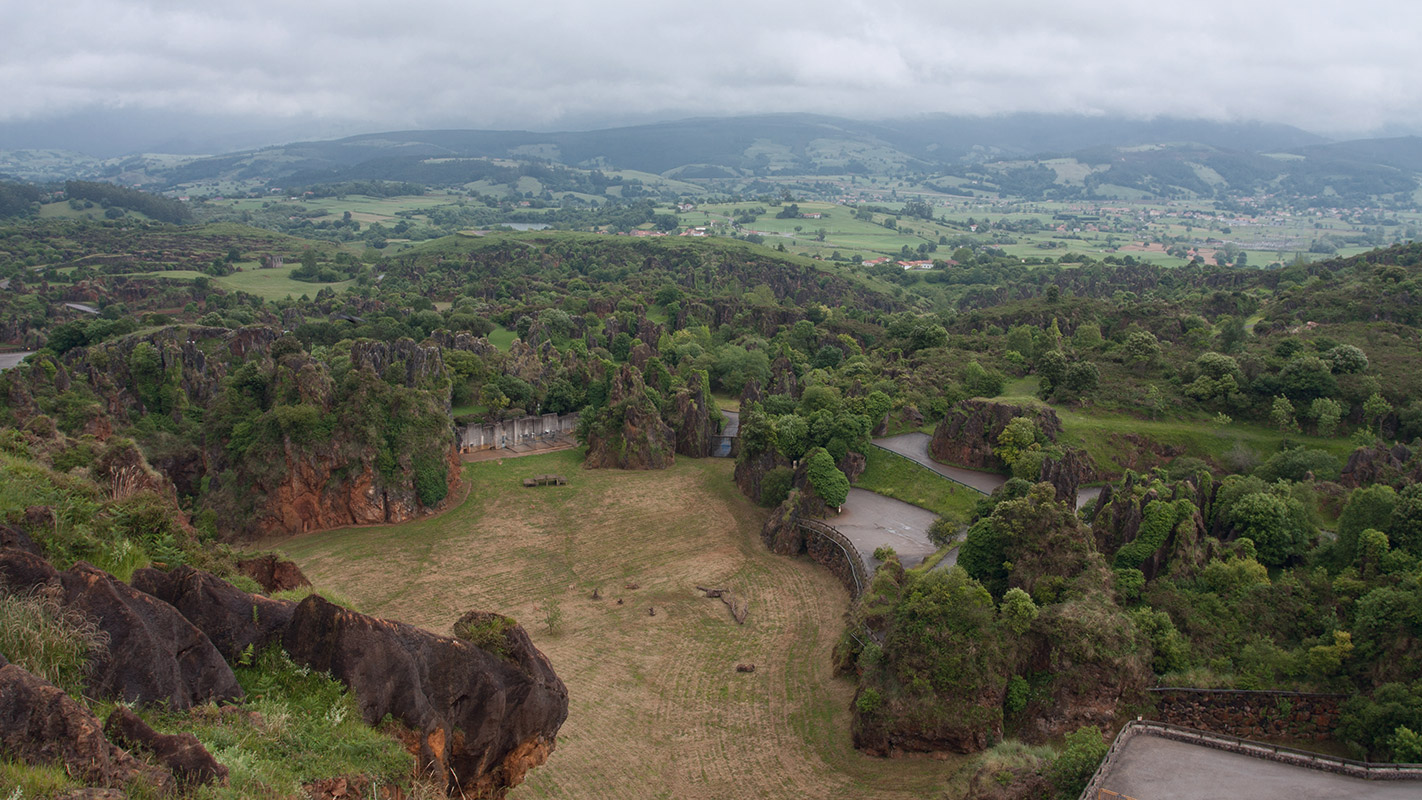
(871,520)
(1152,768)
(9,360)
(915,446)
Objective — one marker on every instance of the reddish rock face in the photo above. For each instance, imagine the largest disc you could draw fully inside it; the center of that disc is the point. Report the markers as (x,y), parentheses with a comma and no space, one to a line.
(482,719)
(273,574)
(40,724)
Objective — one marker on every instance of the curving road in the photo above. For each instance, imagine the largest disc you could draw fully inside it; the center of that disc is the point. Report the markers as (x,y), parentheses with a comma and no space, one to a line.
(9,360)
(872,520)
(915,446)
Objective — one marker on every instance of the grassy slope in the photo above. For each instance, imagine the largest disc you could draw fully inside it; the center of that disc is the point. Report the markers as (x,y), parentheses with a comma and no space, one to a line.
(894,476)
(657,709)
(274,284)
(1103,435)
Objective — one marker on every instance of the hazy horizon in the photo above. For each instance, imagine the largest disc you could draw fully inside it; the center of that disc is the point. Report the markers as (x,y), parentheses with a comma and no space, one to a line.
(152,75)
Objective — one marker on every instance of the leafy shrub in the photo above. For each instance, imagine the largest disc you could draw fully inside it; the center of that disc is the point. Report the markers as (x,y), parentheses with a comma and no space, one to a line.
(431,481)
(775,486)
(1017,693)
(825,478)
(1085,748)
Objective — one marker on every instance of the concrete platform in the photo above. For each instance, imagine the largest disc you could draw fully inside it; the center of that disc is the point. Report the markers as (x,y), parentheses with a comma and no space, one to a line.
(1153,768)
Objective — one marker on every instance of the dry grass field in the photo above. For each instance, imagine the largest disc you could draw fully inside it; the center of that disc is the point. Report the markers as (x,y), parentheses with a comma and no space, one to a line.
(657,708)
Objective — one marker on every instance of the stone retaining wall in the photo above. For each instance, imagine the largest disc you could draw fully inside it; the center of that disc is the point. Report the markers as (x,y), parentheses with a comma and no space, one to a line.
(1250,714)
(513,432)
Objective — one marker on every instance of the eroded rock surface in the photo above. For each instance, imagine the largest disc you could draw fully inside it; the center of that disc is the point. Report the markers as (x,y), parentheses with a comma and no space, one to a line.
(182,754)
(40,724)
(483,720)
(154,655)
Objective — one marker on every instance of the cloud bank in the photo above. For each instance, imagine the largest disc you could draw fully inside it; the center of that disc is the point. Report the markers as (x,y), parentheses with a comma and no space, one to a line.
(551,64)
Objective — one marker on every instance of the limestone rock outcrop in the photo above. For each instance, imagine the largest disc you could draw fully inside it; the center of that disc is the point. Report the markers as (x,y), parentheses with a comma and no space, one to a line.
(181,753)
(628,433)
(40,724)
(483,720)
(969,431)
(154,655)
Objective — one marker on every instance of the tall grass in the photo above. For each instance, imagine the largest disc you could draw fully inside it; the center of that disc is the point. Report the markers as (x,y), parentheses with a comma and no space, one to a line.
(50,641)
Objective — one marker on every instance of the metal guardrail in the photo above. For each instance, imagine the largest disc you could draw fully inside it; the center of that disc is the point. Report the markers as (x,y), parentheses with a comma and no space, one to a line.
(1363,770)
(851,554)
(925,466)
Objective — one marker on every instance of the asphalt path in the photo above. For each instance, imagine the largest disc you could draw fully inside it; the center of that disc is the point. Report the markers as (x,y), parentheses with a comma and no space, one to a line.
(915,446)
(8,360)
(1164,769)
(872,520)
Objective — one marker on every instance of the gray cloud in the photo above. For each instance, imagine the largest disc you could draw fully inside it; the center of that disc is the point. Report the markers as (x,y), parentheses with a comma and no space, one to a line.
(1322,66)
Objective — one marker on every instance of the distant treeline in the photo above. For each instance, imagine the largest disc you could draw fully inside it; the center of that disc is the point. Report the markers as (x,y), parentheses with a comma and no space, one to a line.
(17,199)
(367,188)
(158,208)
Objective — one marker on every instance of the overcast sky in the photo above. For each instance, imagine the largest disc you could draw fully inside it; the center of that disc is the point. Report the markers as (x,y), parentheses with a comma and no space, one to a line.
(1329,67)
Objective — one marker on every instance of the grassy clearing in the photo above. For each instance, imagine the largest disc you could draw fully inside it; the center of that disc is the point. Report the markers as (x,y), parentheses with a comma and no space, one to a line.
(274,284)
(502,338)
(894,476)
(1108,437)
(657,708)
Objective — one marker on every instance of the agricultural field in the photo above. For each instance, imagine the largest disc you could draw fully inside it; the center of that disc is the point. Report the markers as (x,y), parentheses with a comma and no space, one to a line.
(657,708)
(274,284)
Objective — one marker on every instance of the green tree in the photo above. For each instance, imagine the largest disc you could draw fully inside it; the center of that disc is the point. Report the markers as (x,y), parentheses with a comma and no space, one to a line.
(1368,507)
(1142,347)
(825,478)
(1085,747)
(1375,408)
(1020,436)
(1281,415)
(1326,412)
(1018,610)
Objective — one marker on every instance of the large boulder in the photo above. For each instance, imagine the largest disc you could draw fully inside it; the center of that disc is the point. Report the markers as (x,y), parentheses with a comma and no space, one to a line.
(695,418)
(237,623)
(273,574)
(154,656)
(40,724)
(181,753)
(483,718)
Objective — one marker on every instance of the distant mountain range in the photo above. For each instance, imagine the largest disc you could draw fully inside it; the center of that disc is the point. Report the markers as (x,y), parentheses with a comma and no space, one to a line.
(1161,156)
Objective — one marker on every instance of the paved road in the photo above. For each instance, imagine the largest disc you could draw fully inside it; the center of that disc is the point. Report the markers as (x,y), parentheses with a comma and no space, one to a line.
(8,360)
(722,448)
(1152,768)
(915,446)
(84,307)
(871,520)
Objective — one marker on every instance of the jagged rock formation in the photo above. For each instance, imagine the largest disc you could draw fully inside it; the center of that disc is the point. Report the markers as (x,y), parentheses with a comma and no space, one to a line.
(1396,465)
(154,655)
(480,717)
(628,433)
(273,574)
(40,724)
(483,720)
(968,433)
(1120,511)
(182,754)
(283,447)
(236,622)
(695,418)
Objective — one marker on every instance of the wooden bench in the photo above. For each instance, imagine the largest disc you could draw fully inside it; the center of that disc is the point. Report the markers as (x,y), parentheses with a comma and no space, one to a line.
(545,480)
